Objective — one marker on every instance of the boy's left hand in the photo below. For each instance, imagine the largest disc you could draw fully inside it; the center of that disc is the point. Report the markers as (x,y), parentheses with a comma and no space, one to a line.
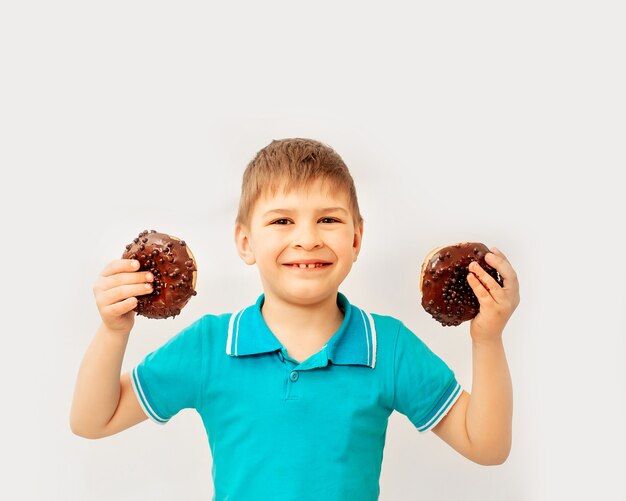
(497,303)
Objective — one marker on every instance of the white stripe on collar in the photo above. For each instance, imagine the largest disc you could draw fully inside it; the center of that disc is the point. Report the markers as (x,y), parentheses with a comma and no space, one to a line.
(373,326)
(370,331)
(229,340)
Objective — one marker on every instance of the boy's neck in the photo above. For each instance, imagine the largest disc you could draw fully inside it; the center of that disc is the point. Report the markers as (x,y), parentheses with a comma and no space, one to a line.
(311,322)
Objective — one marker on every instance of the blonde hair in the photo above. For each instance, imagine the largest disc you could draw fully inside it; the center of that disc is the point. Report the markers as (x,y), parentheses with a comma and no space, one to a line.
(294,163)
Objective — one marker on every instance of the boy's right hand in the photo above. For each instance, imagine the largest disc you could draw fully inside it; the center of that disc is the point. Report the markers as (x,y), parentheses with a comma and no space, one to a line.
(115,291)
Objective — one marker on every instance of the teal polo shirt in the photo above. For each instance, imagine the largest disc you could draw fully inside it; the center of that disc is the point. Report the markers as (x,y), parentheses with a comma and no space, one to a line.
(280,429)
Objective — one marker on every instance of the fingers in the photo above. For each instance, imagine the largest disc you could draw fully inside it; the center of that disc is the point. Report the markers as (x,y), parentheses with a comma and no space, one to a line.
(123,292)
(485,278)
(483,284)
(118,283)
(119,266)
(498,260)
(487,288)
(120,308)
(120,279)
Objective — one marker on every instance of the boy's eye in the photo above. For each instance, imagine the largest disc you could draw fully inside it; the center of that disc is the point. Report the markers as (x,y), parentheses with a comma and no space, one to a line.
(287,221)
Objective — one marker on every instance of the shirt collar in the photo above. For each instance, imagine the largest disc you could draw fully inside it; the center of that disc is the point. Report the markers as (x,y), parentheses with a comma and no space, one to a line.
(353,344)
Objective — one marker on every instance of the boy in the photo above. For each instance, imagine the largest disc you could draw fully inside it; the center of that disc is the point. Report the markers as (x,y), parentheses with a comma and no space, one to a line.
(295,391)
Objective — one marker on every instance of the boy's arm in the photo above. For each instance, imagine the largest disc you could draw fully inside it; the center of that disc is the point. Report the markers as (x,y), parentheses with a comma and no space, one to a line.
(104,403)
(479,426)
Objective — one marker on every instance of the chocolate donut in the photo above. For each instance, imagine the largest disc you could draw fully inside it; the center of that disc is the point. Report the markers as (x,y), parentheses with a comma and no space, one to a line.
(446,293)
(173,266)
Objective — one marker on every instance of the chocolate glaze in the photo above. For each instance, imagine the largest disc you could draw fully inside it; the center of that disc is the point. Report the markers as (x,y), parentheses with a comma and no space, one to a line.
(173,270)
(446,293)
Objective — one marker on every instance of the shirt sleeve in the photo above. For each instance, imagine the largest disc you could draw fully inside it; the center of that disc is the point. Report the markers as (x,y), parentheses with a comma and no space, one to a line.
(169,379)
(425,387)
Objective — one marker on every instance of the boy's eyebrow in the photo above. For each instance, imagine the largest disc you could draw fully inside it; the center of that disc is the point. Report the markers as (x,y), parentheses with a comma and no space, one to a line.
(289,211)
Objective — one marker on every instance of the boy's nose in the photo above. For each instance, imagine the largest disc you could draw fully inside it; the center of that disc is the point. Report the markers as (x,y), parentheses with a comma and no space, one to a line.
(307,237)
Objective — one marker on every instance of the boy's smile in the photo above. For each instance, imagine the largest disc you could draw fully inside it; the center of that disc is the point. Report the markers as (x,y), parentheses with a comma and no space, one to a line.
(304,243)
(308,264)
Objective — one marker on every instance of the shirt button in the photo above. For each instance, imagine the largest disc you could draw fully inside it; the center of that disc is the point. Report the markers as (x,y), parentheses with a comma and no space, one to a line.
(293,376)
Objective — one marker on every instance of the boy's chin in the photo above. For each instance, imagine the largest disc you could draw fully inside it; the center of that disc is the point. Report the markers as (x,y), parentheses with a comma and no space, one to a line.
(306,297)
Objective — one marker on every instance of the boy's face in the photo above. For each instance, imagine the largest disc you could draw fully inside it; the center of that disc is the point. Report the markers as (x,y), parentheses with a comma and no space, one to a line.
(306,225)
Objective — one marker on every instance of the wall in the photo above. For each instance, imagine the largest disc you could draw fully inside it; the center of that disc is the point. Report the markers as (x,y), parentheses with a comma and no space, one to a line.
(487,121)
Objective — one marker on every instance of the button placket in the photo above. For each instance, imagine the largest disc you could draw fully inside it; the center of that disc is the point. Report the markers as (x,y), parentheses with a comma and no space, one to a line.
(291,391)
(294,383)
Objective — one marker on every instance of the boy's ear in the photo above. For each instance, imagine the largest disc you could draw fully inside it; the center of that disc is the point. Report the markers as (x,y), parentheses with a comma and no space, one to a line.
(242,241)
(356,243)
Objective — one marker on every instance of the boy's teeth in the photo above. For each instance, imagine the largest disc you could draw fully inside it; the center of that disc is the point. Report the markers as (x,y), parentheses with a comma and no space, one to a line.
(312,265)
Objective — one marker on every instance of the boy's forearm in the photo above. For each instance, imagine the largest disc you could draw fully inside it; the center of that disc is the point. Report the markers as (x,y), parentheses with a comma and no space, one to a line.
(97,390)
(490,409)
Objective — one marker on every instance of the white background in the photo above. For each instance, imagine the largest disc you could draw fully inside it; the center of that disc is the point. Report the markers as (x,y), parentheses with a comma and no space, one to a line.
(500,122)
